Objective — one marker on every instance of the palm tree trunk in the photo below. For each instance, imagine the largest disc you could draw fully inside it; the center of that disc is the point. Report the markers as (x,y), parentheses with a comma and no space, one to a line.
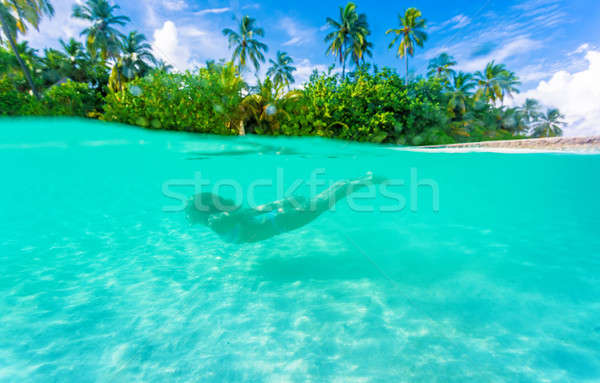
(13,45)
(406,68)
(343,68)
(241,130)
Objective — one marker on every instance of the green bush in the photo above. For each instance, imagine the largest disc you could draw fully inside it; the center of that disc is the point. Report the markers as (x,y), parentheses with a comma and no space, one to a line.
(370,107)
(72,99)
(16,103)
(67,99)
(373,106)
(207,101)
(268,106)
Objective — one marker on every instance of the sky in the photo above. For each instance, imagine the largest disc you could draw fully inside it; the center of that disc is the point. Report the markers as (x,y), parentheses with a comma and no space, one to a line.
(552,45)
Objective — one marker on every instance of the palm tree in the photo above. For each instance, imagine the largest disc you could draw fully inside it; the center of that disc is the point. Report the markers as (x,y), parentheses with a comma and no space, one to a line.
(245,45)
(163,66)
(348,36)
(361,51)
(226,76)
(135,61)
(74,51)
(496,82)
(82,65)
(14,17)
(460,92)
(531,110)
(360,46)
(411,33)
(70,63)
(266,107)
(508,84)
(441,67)
(90,67)
(137,55)
(481,119)
(56,66)
(102,35)
(490,82)
(512,120)
(29,57)
(550,124)
(282,69)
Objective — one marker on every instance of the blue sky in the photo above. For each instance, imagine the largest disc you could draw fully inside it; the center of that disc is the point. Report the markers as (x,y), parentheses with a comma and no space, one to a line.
(538,39)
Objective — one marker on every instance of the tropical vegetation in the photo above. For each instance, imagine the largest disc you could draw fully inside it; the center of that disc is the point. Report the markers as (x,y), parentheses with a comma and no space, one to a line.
(245,43)
(15,15)
(281,71)
(411,32)
(348,36)
(113,75)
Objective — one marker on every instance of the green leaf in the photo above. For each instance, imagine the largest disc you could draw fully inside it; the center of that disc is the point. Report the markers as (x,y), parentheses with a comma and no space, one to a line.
(380,137)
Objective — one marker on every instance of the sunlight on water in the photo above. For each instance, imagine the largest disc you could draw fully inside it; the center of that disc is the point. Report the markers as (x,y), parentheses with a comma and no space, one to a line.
(99,283)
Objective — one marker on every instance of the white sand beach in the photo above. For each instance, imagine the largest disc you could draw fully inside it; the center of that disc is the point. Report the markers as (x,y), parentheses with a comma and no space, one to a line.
(561,144)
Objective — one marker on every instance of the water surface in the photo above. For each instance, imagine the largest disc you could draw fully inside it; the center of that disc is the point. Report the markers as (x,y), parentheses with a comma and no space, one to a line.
(99,284)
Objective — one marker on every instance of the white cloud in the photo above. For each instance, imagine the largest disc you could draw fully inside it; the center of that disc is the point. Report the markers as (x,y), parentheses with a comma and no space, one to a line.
(192,31)
(251,6)
(457,22)
(575,94)
(535,73)
(293,41)
(535,6)
(166,46)
(152,19)
(62,25)
(460,21)
(512,37)
(513,48)
(174,45)
(174,5)
(212,11)
(304,68)
(581,49)
(518,46)
(298,34)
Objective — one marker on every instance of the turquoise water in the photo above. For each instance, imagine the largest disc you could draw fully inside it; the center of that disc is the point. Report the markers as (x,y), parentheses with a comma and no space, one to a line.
(98,283)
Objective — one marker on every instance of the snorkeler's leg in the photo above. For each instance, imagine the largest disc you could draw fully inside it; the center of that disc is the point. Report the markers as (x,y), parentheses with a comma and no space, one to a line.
(332,195)
(294,217)
(341,189)
(298,205)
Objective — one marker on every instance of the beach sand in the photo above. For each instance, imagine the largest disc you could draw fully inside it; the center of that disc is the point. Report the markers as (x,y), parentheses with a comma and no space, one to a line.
(563,144)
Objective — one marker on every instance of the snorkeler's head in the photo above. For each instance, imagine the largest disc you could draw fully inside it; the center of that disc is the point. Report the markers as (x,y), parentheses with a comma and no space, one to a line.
(201,206)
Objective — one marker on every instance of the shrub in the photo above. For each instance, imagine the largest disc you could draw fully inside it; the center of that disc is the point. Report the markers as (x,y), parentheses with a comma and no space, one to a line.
(68,99)
(375,107)
(16,103)
(72,99)
(268,107)
(207,101)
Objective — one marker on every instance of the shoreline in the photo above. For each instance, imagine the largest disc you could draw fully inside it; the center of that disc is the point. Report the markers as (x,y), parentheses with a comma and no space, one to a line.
(559,144)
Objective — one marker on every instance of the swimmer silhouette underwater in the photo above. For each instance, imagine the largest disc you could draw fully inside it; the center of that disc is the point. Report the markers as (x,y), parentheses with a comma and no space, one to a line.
(246,225)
